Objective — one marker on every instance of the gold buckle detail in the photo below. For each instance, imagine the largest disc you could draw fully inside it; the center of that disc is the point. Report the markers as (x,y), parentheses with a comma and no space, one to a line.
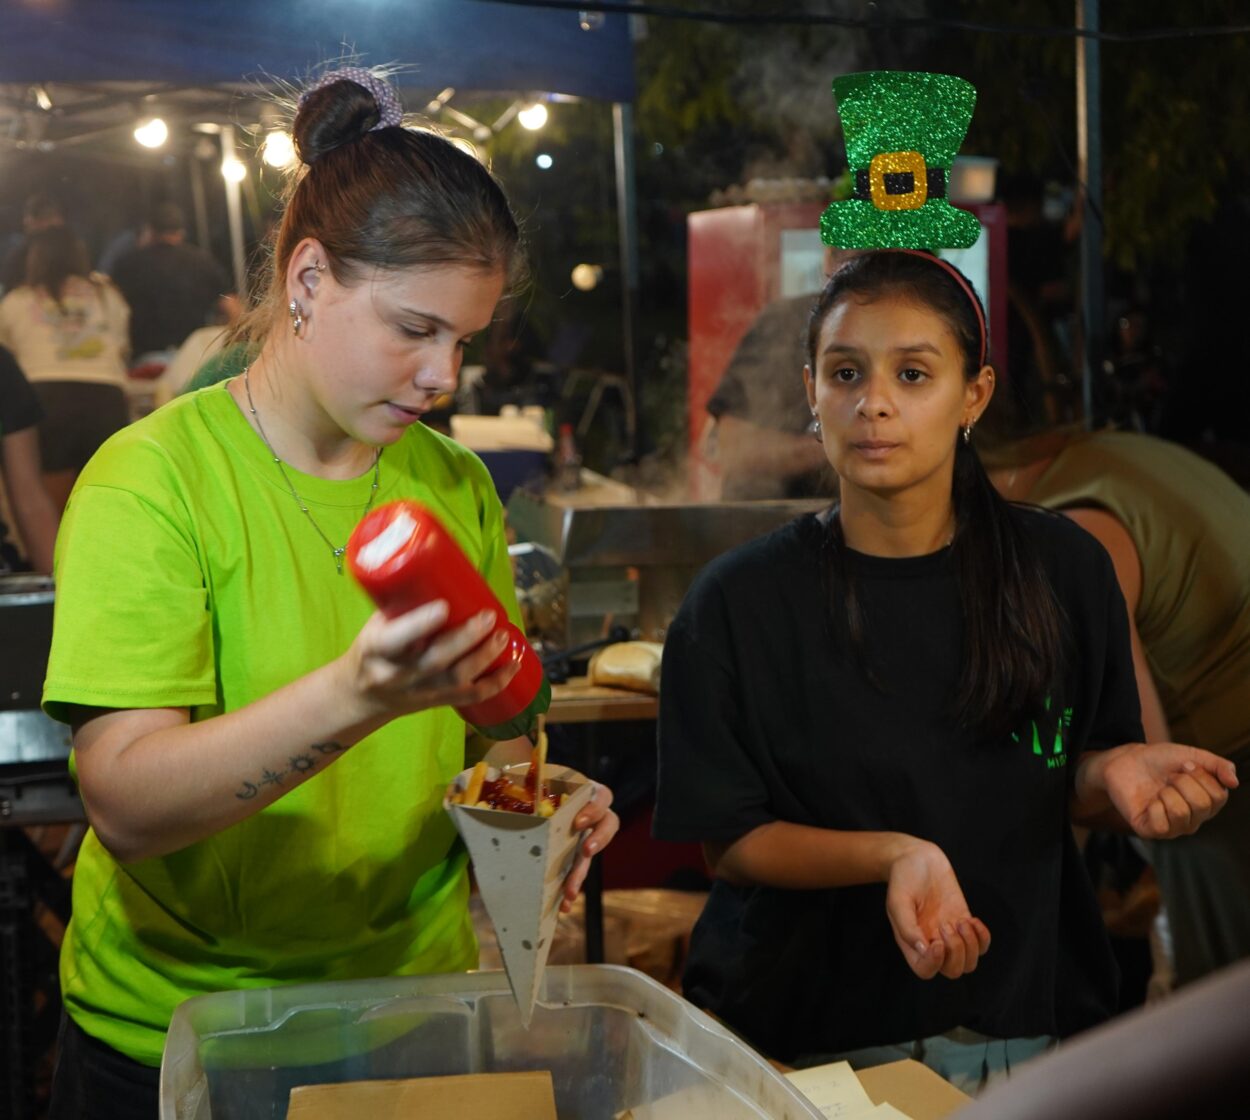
(891,163)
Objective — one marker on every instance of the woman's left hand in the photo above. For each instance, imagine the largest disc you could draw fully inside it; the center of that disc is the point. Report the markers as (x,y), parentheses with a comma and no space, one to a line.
(603,824)
(1162,790)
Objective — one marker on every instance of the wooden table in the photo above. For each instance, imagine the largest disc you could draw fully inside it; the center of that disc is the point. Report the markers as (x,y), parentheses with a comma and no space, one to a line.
(579,702)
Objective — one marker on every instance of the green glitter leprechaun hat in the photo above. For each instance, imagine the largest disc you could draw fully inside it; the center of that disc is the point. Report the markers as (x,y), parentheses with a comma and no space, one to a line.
(902,131)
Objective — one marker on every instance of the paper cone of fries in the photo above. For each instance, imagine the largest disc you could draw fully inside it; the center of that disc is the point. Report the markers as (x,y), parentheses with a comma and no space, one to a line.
(521,861)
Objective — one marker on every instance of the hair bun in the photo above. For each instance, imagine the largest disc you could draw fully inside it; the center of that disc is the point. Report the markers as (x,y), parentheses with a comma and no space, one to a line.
(341,108)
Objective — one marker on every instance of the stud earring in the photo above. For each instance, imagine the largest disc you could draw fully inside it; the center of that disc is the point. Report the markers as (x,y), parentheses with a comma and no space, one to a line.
(297,315)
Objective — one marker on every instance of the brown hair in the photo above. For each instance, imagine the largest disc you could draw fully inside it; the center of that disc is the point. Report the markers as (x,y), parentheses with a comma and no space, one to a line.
(1014,627)
(388,198)
(54,255)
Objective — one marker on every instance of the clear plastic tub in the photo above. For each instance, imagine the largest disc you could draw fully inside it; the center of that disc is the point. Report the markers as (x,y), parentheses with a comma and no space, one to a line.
(615,1041)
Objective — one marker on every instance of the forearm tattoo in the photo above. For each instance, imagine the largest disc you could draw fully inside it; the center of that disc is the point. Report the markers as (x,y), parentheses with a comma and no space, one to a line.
(299,765)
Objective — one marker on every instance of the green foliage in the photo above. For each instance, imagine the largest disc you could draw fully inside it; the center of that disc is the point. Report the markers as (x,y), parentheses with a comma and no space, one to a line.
(685,76)
(1175,126)
(718,104)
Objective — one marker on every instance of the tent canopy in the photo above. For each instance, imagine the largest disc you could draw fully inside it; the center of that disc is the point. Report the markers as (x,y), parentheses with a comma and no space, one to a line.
(469,44)
(77,72)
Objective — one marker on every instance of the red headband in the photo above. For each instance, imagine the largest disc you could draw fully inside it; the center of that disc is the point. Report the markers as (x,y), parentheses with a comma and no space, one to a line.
(964,287)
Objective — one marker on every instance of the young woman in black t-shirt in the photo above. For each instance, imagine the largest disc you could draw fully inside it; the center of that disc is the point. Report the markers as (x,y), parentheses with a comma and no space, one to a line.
(882,722)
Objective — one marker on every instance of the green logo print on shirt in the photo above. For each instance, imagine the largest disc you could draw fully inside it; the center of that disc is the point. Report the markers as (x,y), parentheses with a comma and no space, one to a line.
(1044,746)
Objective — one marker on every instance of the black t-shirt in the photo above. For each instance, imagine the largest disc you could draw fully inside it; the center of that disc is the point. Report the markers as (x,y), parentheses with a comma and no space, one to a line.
(19,410)
(172,290)
(763,384)
(19,406)
(766,714)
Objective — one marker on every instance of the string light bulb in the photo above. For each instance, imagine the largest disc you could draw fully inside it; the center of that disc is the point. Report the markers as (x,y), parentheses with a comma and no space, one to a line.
(586,277)
(533,117)
(152,133)
(278,149)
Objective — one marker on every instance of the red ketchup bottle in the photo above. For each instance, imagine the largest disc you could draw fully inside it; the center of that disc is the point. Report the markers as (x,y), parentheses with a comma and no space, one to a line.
(403,557)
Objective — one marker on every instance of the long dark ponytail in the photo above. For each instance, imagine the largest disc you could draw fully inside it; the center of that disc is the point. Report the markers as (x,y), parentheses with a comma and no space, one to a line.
(1013,625)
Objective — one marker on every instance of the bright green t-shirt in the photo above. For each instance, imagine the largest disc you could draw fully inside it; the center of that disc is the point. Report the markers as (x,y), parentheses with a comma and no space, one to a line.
(187,576)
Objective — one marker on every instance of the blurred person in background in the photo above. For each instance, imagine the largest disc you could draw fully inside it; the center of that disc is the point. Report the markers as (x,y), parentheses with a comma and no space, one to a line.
(67,327)
(28,502)
(41,212)
(763,435)
(173,288)
(1178,532)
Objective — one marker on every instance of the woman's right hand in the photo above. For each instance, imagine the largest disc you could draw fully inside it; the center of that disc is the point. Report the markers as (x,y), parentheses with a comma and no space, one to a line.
(405,664)
(932,925)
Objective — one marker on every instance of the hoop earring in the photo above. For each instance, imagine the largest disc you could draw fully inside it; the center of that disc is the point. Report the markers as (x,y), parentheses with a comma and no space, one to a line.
(297,315)
(814,428)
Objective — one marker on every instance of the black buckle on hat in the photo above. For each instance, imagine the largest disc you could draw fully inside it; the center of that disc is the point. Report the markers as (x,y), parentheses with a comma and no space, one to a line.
(900,182)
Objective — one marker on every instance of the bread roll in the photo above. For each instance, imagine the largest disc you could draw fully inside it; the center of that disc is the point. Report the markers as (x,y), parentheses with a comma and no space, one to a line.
(632,665)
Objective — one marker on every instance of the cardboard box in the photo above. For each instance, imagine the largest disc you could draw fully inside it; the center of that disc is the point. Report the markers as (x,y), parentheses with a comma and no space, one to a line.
(521,862)
(912,1088)
(481,1096)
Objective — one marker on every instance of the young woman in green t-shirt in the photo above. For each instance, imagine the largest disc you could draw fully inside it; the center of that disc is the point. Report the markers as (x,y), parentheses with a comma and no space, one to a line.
(260,754)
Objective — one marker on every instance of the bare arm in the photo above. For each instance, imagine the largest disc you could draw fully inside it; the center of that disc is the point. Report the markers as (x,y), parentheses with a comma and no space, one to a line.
(1112,535)
(33,510)
(1158,789)
(747,449)
(800,857)
(932,926)
(152,782)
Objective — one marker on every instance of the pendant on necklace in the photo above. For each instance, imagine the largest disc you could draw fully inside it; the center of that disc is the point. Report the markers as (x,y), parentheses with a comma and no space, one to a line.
(338,559)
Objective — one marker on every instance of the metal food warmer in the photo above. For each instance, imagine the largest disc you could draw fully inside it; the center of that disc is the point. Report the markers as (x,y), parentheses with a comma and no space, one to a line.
(606,555)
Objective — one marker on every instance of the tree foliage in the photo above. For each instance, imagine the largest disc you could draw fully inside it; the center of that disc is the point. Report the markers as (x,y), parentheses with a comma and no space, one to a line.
(1175,126)
(729,101)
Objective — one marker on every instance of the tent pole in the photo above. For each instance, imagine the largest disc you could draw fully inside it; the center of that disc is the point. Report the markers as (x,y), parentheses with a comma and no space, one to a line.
(234,213)
(199,202)
(1089,174)
(627,223)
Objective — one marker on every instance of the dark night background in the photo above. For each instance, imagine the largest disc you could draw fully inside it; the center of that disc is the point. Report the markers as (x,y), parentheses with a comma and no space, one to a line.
(721,103)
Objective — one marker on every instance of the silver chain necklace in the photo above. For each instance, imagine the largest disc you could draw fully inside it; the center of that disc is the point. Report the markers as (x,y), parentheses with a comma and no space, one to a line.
(373,490)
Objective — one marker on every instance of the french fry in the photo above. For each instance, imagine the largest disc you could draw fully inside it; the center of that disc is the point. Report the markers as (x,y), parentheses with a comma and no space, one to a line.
(538,760)
(517,793)
(522,791)
(473,792)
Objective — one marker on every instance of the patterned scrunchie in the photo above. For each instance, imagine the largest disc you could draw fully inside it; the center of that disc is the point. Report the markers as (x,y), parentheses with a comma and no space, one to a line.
(391,115)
